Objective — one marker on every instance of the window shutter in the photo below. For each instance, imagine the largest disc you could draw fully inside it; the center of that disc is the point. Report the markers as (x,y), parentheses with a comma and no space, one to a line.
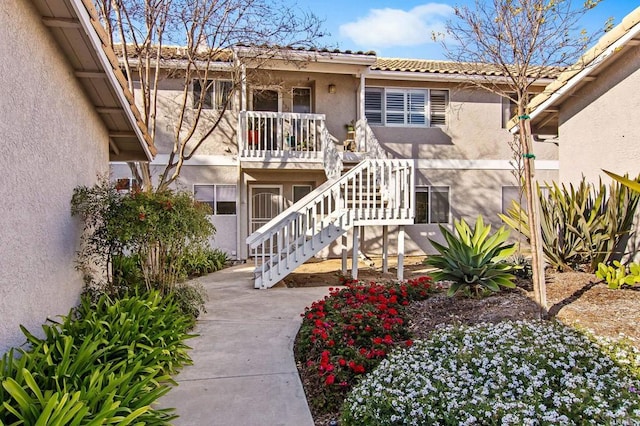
(395,102)
(416,105)
(439,100)
(373,105)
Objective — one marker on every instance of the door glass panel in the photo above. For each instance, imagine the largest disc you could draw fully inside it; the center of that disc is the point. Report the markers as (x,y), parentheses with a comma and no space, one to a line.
(302,100)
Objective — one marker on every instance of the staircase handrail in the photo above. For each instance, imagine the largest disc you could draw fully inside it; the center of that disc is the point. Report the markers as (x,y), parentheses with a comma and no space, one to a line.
(302,206)
(332,160)
(367,142)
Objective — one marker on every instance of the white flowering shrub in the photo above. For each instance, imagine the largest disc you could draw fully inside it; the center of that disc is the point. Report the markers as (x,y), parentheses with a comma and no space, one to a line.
(510,373)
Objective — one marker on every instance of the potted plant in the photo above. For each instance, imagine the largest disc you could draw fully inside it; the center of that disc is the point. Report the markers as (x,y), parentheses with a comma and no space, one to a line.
(351,126)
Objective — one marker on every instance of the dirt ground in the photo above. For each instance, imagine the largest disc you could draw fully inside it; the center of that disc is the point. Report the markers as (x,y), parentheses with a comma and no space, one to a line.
(577,299)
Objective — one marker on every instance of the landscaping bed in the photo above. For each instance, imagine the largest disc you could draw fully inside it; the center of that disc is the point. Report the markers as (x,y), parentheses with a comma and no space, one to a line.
(576,299)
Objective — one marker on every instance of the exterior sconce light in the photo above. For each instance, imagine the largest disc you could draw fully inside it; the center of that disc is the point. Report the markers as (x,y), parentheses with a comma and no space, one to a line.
(332,88)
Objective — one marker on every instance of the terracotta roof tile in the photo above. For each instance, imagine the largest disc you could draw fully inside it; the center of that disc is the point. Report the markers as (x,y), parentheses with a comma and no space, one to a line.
(427,66)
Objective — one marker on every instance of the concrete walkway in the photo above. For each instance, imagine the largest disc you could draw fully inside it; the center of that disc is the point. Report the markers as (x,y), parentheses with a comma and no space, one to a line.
(244,372)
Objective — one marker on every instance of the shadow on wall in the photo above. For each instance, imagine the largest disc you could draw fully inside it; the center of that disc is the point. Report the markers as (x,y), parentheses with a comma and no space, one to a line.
(407,142)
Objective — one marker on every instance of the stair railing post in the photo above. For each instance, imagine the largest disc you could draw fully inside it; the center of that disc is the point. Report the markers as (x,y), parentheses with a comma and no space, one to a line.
(356,250)
(401,253)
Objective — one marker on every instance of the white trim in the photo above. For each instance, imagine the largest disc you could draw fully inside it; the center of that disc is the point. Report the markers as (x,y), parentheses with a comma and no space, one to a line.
(198,160)
(96,43)
(576,79)
(460,164)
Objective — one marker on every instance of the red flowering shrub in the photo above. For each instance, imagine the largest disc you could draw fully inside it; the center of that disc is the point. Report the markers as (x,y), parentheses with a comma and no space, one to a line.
(350,331)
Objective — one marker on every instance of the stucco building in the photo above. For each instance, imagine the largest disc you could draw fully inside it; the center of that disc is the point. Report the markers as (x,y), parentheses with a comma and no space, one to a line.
(63,116)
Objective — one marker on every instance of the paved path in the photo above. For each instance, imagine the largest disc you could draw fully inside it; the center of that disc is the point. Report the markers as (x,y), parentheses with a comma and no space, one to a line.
(244,373)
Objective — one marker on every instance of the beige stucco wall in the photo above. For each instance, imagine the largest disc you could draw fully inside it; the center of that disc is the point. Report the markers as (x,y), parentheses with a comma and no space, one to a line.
(473,133)
(52,142)
(599,125)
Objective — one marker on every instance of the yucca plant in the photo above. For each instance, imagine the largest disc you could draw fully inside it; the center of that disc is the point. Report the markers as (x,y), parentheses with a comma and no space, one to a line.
(473,259)
(582,226)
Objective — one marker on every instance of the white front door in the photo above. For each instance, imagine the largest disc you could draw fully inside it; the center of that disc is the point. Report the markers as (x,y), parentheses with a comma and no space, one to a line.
(265,203)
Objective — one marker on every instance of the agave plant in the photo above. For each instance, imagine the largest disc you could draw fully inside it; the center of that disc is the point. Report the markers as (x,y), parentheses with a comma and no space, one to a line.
(473,260)
(581,226)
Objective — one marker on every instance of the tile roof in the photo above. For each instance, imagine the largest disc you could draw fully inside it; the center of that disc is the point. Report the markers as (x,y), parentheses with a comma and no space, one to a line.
(427,66)
(596,58)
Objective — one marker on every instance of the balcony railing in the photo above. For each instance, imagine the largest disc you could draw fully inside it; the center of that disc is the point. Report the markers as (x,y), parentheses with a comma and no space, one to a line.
(266,134)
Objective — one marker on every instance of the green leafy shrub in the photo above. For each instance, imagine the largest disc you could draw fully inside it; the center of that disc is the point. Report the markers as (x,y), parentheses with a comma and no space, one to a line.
(156,228)
(346,335)
(619,275)
(198,261)
(105,363)
(191,298)
(510,373)
(581,226)
(473,260)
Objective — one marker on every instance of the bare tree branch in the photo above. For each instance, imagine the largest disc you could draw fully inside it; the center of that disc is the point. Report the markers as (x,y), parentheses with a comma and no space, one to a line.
(206,31)
(520,40)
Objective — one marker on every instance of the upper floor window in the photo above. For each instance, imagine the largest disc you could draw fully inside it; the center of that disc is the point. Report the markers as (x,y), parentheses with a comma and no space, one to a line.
(432,204)
(221,198)
(509,109)
(217,93)
(389,106)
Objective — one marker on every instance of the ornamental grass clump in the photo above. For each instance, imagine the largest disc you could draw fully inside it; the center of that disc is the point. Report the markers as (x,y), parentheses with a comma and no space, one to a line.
(346,335)
(510,373)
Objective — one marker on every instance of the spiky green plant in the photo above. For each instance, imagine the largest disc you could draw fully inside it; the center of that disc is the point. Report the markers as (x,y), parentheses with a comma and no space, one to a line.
(582,226)
(472,260)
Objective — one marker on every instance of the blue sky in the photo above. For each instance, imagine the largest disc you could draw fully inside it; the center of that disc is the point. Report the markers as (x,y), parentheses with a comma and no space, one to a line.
(402,28)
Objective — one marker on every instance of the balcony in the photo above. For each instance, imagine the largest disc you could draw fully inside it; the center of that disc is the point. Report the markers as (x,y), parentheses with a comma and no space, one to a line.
(281,136)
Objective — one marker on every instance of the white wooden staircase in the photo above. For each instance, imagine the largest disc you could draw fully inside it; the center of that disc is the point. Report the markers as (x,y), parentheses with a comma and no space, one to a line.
(374,192)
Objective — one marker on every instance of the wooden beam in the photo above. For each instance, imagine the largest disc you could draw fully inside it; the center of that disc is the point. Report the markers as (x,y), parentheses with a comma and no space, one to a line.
(114,147)
(109,110)
(61,22)
(122,135)
(90,74)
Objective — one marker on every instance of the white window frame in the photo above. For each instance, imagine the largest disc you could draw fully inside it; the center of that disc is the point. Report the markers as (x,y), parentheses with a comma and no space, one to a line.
(430,111)
(214,201)
(213,86)
(429,190)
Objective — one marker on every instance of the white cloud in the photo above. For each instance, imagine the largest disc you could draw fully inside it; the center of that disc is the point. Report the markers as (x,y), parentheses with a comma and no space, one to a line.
(395,27)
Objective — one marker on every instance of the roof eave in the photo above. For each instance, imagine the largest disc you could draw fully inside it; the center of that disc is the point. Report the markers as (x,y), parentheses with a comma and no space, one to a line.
(85,20)
(560,93)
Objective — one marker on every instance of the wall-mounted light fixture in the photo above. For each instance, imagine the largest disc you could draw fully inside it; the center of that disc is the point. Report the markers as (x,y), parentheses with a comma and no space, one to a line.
(332,88)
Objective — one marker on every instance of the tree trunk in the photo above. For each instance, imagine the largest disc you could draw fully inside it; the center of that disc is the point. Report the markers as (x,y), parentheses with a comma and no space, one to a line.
(537,264)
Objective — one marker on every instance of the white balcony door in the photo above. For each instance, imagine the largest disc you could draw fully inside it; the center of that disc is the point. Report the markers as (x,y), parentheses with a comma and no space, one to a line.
(265,203)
